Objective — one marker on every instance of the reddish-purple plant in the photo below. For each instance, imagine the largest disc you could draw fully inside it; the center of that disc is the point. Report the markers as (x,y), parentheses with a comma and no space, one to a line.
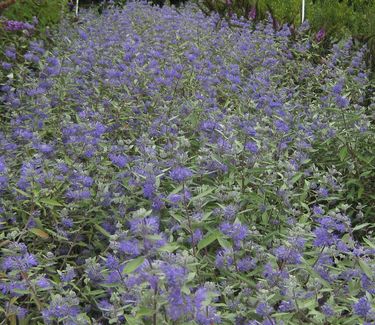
(320,35)
(14,26)
(252,13)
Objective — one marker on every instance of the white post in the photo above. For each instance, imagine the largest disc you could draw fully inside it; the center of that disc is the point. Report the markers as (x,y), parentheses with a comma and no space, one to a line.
(303,11)
(77,5)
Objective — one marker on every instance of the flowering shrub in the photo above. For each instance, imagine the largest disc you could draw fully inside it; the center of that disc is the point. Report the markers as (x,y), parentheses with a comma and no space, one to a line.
(48,12)
(160,167)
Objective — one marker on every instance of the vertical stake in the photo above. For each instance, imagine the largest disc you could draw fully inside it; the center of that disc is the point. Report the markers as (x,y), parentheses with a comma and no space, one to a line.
(303,11)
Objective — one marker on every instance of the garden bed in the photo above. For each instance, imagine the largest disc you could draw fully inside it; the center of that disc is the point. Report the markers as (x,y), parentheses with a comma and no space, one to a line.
(161,167)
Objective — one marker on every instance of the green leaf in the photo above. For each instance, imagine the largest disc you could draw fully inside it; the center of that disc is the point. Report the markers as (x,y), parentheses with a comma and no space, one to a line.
(51,202)
(143,311)
(244,279)
(206,215)
(307,304)
(361,226)
(39,232)
(224,243)
(22,192)
(171,247)
(203,194)
(366,268)
(133,265)
(265,218)
(360,192)
(153,237)
(21,292)
(102,230)
(296,177)
(131,320)
(177,189)
(343,153)
(109,285)
(366,173)
(368,242)
(208,239)
(185,289)
(97,292)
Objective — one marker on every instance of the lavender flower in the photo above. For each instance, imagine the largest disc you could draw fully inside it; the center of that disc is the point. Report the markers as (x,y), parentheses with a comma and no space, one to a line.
(264,309)
(323,237)
(362,307)
(10,53)
(230,212)
(196,236)
(180,305)
(21,262)
(237,231)
(323,192)
(118,160)
(288,255)
(252,147)
(246,264)
(129,247)
(43,283)
(16,310)
(327,310)
(68,275)
(61,308)
(286,306)
(180,174)
(6,65)
(224,258)
(2,165)
(281,126)
(149,225)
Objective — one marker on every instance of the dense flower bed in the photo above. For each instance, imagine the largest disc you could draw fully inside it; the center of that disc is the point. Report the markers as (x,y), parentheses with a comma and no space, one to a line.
(159,167)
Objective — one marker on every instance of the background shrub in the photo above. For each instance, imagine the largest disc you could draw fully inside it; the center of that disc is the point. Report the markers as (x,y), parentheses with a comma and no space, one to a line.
(338,18)
(48,12)
(29,19)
